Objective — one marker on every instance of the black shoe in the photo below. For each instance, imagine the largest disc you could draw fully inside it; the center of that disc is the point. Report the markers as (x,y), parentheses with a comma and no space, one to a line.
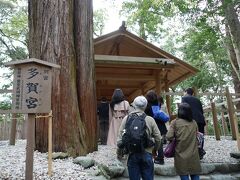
(159,161)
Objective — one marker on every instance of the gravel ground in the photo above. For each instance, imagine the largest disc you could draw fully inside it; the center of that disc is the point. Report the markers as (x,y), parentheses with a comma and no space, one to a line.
(12,160)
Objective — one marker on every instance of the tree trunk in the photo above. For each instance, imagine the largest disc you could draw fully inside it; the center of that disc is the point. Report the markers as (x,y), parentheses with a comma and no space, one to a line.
(234,27)
(233,60)
(52,38)
(83,35)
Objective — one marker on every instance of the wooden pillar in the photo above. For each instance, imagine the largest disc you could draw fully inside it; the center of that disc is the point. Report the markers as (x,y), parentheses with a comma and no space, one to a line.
(158,82)
(50,144)
(215,121)
(231,113)
(224,126)
(168,100)
(195,91)
(30,146)
(206,128)
(13,129)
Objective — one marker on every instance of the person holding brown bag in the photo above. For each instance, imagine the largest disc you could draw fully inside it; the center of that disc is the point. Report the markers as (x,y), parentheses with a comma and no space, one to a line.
(186,157)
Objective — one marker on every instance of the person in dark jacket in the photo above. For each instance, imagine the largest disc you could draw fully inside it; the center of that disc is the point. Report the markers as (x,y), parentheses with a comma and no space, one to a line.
(197,114)
(160,118)
(197,109)
(103,113)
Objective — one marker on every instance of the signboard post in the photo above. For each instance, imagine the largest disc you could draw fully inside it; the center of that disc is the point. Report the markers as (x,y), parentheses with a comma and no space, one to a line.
(32,86)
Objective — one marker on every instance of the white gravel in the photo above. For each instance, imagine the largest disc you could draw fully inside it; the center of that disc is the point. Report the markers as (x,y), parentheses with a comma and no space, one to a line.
(12,160)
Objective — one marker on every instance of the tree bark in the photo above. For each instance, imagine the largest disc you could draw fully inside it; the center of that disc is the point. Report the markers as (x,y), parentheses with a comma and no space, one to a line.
(234,27)
(83,35)
(233,60)
(52,38)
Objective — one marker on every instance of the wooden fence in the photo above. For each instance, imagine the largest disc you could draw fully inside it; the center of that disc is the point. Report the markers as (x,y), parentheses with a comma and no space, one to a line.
(6,125)
(9,121)
(219,115)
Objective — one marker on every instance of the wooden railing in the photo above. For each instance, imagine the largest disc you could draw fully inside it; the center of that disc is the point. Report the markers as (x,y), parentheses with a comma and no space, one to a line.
(10,127)
(230,111)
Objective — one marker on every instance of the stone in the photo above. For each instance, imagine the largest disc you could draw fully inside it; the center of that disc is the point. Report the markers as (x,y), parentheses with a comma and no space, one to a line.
(84,161)
(235,155)
(207,168)
(222,177)
(227,167)
(59,155)
(165,170)
(112,171)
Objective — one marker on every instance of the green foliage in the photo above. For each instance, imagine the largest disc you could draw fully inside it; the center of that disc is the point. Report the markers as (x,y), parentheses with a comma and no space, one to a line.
(145,17)
(13,33)
(199,40)
(99,17)
(5,105)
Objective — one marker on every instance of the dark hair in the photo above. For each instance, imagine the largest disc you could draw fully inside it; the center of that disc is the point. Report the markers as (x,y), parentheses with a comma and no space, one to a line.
(185,111)
(117,97)
(151,97)
(189,91)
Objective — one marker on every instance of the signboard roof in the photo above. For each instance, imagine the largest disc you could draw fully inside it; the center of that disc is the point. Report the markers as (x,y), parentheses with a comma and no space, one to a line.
(32,60)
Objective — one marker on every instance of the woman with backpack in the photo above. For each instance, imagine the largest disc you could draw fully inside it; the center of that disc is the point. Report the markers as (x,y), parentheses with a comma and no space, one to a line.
(184,129)
(153,110)
(119,108)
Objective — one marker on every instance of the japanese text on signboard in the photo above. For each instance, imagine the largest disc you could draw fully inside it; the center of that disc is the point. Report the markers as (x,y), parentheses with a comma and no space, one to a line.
(32,87)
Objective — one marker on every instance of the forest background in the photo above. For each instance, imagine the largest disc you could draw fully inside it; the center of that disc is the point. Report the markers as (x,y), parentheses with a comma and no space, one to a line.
(195,31)
(204,33)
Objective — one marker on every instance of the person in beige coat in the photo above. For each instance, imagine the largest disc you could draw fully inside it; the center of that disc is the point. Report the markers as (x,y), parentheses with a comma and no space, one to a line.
(186,158)
(119,108)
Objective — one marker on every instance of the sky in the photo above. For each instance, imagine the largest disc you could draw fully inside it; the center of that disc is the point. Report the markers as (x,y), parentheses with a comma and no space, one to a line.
(112,6)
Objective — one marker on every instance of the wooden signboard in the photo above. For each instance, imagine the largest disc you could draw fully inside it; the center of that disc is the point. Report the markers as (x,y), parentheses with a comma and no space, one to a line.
(32,86)
(32,89)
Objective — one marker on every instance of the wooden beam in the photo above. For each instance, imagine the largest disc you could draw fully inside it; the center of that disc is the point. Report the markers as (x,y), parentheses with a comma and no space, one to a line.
(133,66)
(124,77)
(6,111)
(130,59)
(147,86)
(140,91)
(184,76)
(5,91)
(134,94)
(117,86)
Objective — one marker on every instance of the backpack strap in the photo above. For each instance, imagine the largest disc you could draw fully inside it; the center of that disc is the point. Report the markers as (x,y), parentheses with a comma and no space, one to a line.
(143,116)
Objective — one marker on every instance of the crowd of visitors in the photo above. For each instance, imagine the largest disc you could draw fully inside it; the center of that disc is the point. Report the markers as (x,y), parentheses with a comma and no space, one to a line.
(139,131)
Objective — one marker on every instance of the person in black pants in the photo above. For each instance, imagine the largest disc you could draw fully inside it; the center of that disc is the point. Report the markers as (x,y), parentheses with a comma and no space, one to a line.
(103,113)
(197,113)
(160,118)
